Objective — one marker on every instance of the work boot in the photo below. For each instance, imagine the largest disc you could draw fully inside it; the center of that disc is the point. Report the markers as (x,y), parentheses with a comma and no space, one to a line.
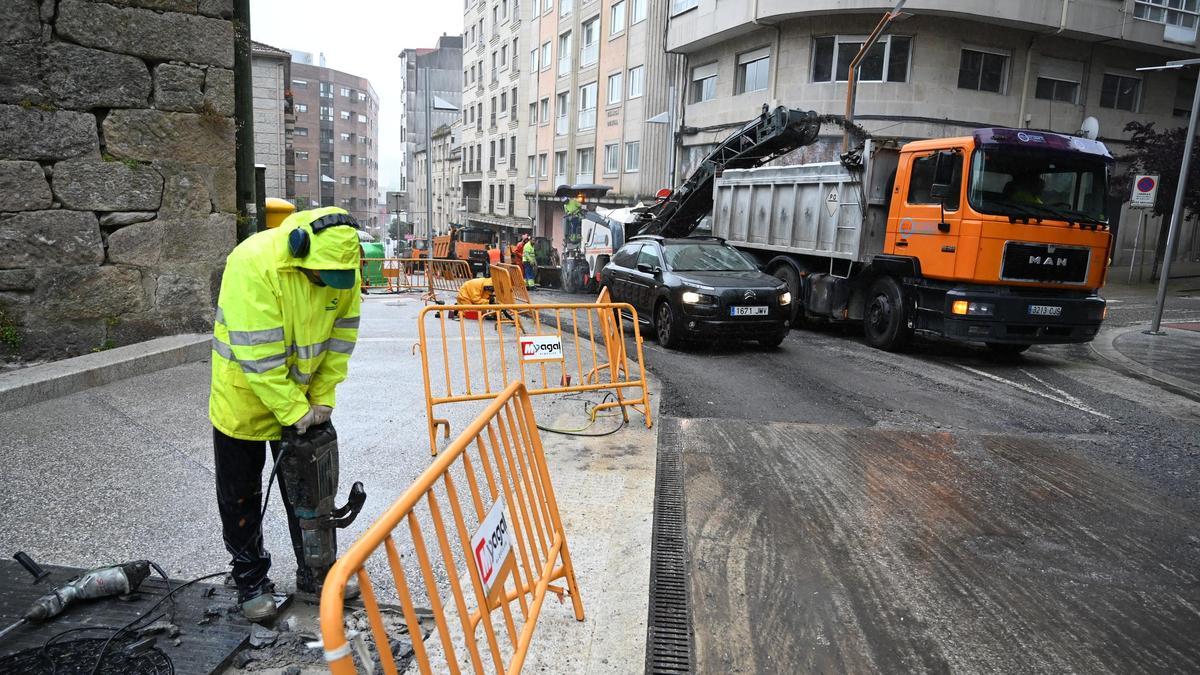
(259,608)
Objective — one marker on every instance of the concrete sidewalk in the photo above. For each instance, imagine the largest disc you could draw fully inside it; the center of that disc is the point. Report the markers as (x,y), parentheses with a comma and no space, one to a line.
(124,471)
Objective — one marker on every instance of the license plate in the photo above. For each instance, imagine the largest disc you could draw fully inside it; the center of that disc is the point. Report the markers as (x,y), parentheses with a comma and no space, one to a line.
(748,311)
(1045,310)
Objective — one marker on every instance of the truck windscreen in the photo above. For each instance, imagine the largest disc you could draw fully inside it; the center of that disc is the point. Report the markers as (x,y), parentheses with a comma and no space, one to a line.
(1039,185)
(476,236)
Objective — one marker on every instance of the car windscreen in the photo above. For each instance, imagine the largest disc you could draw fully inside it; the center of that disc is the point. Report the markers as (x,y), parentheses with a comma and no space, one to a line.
(706,258)
(1039,185)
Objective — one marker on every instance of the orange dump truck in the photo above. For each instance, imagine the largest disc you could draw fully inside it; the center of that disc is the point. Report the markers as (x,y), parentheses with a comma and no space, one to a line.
(1000,237)
(465,243)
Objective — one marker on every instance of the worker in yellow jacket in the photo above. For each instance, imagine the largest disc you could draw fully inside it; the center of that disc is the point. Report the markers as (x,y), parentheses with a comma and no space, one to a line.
(286,323)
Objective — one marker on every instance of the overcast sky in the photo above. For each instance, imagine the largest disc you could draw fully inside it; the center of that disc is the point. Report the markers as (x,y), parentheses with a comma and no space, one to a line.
(362,37)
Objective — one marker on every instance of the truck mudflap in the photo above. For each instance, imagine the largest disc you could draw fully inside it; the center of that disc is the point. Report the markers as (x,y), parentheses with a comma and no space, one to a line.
(1020,318)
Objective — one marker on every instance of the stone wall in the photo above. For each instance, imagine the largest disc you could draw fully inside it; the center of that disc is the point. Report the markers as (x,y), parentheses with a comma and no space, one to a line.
(117,202)
(269,124)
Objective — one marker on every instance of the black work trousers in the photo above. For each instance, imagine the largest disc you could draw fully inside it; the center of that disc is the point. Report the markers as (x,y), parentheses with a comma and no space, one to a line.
(239,468)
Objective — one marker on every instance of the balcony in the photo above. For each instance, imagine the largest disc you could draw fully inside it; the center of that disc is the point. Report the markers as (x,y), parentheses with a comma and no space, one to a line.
(587,119)
(564,67)
(589,55)
(560,179)
(581,177)
(560,125)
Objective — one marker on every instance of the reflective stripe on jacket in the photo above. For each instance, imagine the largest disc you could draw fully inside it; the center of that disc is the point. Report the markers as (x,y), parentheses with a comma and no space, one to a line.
(280,342)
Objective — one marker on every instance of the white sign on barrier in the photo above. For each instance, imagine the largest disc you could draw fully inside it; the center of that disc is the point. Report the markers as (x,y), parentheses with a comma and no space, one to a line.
(541,348)
(491,545)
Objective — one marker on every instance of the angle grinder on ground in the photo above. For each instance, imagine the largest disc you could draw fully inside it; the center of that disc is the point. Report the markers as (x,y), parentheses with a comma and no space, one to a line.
(308,470)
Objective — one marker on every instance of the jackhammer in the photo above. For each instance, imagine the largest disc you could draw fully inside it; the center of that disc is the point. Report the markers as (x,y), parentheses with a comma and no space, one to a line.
(308,469)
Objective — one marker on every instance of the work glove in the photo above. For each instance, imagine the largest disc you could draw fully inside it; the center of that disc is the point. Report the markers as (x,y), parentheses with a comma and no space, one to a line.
(321,414)
(310,418)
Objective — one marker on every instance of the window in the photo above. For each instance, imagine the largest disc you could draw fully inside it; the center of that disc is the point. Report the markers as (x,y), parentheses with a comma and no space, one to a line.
(547,5)
(532,166)
(345,180)
(533,61)
(587,106)
(649,256)
(920,182)
(615,85)
(302,155)
(345,159)
(560,121)
(542,165)
(564,53)
(1120,92)
(1050,89)
(326,90)
(633,156)
(704,83)
(301,178)
(585,164)
(300,107)
(983,71)
(532,114)
(565,7)
(345,92)
(502,155)
(345,114)
(512,150)
(637,11)
(753,70)
(636,81)
(300,84)
(345,136)
(1171,12)
(612,158)
(362,119)
(627,256)
(545,55)
(560,166)
(616,23)
(513,97)
(681,6)
(361,96)
(1185,92)
(887,61)
(300,131)
(589,52)
(503,103)
(544,114)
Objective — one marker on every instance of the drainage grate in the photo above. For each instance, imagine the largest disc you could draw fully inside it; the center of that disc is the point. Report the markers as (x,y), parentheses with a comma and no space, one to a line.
(669,635)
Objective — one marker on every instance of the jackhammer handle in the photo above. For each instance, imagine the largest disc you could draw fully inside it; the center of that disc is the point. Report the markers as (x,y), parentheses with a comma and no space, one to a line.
(31,566)
(342,517)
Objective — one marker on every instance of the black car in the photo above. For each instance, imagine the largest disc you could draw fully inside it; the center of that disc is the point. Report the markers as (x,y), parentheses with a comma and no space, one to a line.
(698,288)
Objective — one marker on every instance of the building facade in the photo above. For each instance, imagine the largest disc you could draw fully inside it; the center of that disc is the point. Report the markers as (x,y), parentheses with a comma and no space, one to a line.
(447,192)
(945,68)
(335,149)
(273,117)
(442,65)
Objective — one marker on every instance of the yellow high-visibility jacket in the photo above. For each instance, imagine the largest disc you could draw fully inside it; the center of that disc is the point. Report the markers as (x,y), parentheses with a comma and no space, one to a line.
(280,342)
(476,291)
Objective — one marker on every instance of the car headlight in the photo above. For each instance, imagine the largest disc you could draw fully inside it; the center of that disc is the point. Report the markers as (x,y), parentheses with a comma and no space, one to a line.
(694,298)
(786,298)
(691,297)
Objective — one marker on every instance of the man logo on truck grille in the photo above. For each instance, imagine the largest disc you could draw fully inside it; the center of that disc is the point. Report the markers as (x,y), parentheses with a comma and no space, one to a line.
(1047,261)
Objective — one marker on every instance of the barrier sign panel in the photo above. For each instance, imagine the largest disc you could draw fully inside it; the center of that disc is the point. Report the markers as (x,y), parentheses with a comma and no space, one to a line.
(491,546)
(1145,189)
(541,348)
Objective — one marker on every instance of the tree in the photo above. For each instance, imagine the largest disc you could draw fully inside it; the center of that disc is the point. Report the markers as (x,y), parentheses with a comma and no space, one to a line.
(1151,151)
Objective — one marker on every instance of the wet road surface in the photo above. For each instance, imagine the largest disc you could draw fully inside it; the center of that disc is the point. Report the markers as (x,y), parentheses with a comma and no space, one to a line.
(850,510)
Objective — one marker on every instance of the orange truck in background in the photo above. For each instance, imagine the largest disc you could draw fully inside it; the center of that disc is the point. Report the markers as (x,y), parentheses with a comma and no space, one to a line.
(465,243)
(1000,237)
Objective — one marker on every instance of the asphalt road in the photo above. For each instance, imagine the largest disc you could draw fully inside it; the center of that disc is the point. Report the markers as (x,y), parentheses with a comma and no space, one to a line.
(850,510)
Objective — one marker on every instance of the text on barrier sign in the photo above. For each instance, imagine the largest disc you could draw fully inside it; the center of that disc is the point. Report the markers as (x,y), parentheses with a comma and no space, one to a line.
(491,545)
(541,348)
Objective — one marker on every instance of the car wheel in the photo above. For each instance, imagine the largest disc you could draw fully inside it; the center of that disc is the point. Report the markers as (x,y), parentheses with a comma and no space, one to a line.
(666,326)
(885,322)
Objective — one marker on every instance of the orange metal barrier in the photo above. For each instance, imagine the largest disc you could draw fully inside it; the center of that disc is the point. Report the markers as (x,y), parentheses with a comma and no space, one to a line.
(404,274)
(551,348)
(509,284)
(509,544)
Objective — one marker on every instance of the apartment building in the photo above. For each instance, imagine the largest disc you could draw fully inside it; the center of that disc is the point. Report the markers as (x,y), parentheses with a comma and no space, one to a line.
(273,117)
(437,71)
(446,179)
(558,92)
(945,68)
(335,160)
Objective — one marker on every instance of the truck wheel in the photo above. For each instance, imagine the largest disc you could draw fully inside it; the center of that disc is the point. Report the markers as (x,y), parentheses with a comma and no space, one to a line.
(666,326)
(787,274)
(570,277)
(885,322)
(1006,349)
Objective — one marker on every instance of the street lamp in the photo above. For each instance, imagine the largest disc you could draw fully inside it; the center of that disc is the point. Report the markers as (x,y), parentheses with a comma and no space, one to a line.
(852,75)
(1177,209)
(437,104)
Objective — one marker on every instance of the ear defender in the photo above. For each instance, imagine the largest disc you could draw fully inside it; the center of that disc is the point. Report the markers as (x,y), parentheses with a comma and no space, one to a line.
(298,242)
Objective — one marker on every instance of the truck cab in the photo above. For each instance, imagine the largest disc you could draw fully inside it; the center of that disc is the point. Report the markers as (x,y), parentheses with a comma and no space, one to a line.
(1001,236)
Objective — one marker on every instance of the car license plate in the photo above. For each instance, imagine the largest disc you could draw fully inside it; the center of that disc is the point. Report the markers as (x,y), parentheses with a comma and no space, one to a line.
(1045,310)
(748,311)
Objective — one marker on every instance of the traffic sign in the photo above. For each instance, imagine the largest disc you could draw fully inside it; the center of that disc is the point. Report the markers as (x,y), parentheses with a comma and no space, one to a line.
(1145,188)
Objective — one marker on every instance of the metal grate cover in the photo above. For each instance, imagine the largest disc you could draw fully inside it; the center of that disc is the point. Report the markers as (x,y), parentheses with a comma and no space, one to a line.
(669,626)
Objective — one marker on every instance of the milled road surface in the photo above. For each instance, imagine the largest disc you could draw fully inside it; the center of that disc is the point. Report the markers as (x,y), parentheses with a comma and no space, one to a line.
(850,510)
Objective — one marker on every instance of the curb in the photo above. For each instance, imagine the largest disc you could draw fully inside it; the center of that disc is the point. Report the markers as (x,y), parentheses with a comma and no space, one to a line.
(1104,347)
(52,380)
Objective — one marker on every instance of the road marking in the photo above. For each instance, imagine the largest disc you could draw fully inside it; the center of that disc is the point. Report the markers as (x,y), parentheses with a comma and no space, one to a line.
(1070,401)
